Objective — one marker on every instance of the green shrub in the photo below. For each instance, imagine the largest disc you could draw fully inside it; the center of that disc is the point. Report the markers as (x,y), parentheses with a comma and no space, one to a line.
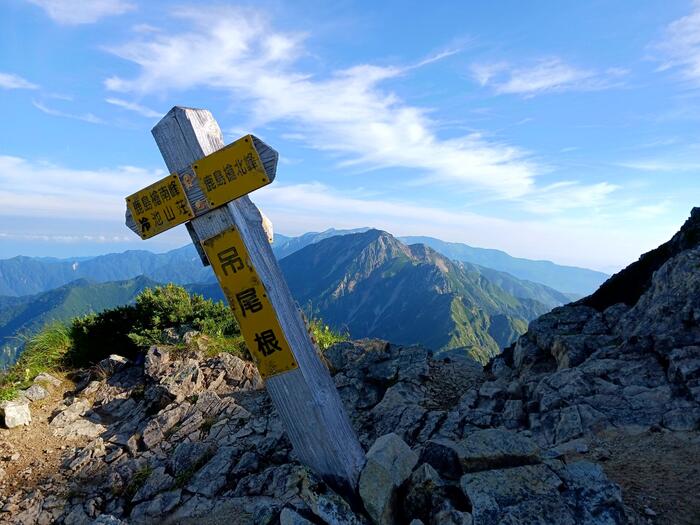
(324,335)
(43,352)
(127,330)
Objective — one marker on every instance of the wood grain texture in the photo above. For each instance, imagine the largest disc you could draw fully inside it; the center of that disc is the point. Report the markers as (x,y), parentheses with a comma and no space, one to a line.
(306,398)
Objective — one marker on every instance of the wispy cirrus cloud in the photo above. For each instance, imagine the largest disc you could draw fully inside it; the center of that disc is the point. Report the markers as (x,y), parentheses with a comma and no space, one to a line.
(135,107)
(569,195)
(660,165)
(12,81)
(85,117)
(74,12)
(542,76)
(679,49)
(346,112)
(40,189)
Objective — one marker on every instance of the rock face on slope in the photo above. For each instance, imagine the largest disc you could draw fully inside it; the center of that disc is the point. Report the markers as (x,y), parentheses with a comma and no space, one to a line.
(375,283)
(182,439)
(627,356)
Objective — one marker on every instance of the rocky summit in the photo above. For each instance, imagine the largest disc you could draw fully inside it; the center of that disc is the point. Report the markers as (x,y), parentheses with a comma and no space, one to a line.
(591,417)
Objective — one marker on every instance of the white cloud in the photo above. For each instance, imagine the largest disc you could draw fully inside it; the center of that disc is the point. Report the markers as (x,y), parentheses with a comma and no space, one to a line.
(12,81)
(568,195)
(73,12)
(38,189)
(660,165)
(133,106)
(85,117)
(295,209)
(681,45)
(545,75)
(346,112)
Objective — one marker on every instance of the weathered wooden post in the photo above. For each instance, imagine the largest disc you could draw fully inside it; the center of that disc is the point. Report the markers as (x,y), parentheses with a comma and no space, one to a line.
(207,189)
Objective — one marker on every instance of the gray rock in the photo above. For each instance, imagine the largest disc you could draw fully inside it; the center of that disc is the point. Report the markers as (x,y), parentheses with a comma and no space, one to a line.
(188,456)
(594,497)
(451,517)
(47,379)
(481,450)
(108,519)
(183,380)
(71,413)
(156,362)
(35,393)
(157,508)
(212,477)
(15,413)
(526,494)
(291,517)
(157,481)
(389,463)
(110,365)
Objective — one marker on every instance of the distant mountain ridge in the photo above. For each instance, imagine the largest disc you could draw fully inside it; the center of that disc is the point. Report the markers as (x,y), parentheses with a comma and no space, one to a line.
(21,275)
(566,279)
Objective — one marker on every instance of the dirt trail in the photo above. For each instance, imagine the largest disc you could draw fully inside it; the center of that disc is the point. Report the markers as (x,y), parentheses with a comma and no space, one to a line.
(659,473)
(30,456)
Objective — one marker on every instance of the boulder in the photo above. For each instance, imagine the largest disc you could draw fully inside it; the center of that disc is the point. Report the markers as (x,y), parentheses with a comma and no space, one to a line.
(108,366)
(482,450)
(526,494)
(15,413)
(389,463)
(47,379)
(35,393)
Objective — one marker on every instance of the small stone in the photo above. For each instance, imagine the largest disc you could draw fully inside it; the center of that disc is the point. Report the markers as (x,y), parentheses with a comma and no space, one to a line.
(15,413)
(35,393)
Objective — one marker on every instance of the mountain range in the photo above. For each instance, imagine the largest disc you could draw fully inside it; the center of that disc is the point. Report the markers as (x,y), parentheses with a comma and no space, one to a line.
(31,275)
(363,281)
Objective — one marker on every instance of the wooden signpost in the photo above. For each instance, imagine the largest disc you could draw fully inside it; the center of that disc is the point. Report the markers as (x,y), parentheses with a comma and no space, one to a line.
(207,189)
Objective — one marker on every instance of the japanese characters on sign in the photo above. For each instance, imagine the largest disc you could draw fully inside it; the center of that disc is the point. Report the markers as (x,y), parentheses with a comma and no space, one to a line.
(250,304)
(159,206)
(231,172)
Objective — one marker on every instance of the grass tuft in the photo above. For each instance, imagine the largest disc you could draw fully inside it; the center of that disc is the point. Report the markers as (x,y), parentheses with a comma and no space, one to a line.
(43,352)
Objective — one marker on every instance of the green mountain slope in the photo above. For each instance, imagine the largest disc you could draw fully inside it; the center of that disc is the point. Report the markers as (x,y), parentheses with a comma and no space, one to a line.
(25,315)
(569,279)
(376,286)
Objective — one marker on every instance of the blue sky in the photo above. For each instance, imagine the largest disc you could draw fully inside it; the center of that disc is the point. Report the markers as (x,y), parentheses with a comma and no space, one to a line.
(563,131)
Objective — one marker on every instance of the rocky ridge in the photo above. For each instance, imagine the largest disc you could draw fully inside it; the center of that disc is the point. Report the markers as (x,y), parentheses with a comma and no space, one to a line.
(177,438)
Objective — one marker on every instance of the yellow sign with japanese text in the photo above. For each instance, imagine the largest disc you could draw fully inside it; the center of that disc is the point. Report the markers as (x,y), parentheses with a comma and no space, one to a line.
(248,299)
(231,172)
(159,206)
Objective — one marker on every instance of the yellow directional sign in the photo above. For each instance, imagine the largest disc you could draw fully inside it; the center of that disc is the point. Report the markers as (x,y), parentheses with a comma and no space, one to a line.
(250,304)
(159,206)
(231,172)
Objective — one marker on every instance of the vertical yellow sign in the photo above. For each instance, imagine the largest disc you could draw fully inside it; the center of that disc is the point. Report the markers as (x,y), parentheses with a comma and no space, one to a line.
(250,304)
